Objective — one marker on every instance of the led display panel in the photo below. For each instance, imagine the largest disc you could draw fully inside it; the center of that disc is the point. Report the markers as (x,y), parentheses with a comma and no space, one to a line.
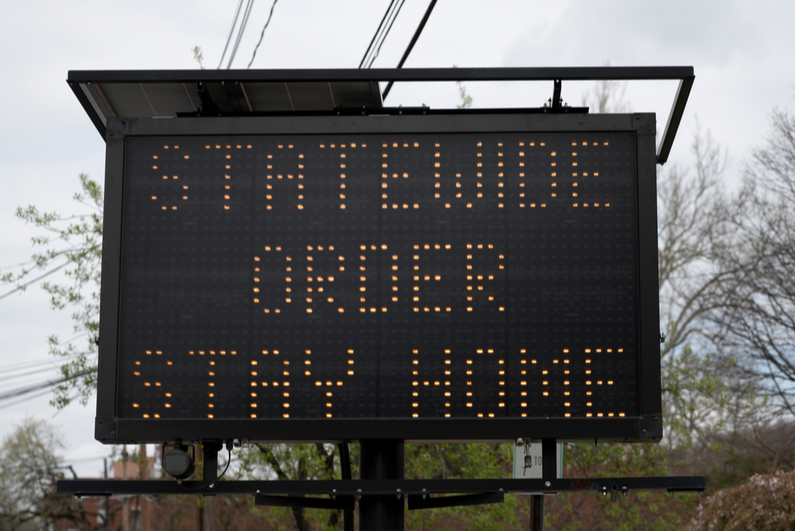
(379,275)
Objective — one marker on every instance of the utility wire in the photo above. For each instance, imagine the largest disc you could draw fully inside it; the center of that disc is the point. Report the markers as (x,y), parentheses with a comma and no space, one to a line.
(56,364)
(33,281)
(243,25)
(25,399)
(21,264)
(29,373)
(380,35)
(69,401)
(240,29)
(411,44)
(34,363)
(21,391)
(370,46)
(50,361)
(262,35)
(231,31)
(84,459)
(384,35)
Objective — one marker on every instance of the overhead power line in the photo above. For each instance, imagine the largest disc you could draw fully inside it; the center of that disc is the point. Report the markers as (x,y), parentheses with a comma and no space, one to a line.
(411,44)
(17,376)
(26,393)
(20,391)
(51,365)
(243,23)
(262,34)
(24,399)
(21,264)
(386,33)
(33,281)
(377,32)
(21,366)
(231,31)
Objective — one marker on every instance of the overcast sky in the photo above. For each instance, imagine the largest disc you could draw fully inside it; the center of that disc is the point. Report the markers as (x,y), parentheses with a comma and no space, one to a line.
(742,53)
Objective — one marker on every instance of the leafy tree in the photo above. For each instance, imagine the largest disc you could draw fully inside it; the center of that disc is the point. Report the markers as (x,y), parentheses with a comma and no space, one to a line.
(757,319)
(466,99)
(760,447)
(71,245)
(29,470)
(765,503)
(198,56)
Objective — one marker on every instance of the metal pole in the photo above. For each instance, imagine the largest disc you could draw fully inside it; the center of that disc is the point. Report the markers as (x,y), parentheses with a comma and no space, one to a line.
(199,508)
(210,451)
(549,461)
(379,460)
(143,460)
(125,508)
(106,522)
(537,513)
(549,465)
(345,466)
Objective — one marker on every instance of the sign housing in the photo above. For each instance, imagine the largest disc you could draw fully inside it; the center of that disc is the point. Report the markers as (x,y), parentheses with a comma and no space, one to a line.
(451,276)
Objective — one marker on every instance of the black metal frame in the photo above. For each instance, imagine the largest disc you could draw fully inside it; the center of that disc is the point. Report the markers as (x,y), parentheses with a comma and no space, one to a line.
(383,487)
(80,80)
(342,494)
(647,426)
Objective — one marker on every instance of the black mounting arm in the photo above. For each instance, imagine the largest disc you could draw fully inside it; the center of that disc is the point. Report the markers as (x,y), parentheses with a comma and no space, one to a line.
(405,487)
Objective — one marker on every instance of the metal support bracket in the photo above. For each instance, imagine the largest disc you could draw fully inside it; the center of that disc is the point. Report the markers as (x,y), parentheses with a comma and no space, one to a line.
(417,502)
(210,451)
(549,461)
(345,503)
(556,99)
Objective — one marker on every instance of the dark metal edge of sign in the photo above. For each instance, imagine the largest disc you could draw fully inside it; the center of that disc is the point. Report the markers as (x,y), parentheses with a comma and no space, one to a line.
(130,430)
